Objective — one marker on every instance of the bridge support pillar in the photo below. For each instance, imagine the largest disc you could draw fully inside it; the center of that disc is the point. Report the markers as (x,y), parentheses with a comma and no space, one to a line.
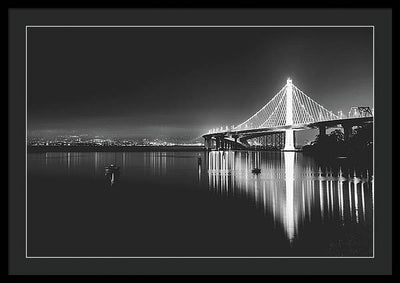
(347,132)
(217,143)
(207,143)
(222,143)
(234,145)
(322,131)
(289,140)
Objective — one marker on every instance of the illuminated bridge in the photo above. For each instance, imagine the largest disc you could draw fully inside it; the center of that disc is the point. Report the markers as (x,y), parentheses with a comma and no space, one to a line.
(290,110)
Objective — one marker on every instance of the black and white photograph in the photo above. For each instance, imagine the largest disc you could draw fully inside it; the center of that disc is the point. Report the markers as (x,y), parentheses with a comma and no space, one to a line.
(199,141)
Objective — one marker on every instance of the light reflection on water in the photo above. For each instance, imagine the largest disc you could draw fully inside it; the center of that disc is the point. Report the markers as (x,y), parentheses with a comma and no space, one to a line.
(292,188)
(326,208)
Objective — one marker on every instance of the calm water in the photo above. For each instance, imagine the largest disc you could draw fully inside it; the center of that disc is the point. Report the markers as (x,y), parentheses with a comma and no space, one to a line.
(173,204)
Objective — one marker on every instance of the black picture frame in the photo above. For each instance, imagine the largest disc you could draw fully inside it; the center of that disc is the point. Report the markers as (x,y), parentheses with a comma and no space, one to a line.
(381,19)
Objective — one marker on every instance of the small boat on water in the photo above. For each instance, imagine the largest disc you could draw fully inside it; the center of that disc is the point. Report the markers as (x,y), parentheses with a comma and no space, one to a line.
(256,171)
(111,168)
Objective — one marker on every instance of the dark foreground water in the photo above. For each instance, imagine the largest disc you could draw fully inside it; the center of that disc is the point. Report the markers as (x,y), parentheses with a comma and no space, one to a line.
(173,204)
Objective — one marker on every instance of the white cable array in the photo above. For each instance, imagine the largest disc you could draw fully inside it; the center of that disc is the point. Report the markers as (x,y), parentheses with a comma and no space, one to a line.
(317,111)
(302,114)
(282,115)
(261,115)
(278,116)
(273,114)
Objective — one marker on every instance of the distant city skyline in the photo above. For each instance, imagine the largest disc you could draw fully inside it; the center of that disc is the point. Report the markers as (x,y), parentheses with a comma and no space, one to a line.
(183,81)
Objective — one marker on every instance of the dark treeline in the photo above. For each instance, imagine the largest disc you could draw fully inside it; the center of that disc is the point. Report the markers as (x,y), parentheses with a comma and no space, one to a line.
(358,146)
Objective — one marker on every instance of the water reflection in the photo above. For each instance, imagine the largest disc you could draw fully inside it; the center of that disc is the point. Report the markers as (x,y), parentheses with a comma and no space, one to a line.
(292,188)
(112,174)
(294,206)
(112,177)
(157,162)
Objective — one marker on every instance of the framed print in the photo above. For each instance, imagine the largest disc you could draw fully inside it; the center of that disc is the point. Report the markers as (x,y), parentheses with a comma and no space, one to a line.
(200,141)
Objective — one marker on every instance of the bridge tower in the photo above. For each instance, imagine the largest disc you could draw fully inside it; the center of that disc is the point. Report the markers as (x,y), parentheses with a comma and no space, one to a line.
(289,134)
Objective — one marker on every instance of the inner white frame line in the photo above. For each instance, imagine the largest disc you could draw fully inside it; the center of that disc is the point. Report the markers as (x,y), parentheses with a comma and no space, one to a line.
(188,26)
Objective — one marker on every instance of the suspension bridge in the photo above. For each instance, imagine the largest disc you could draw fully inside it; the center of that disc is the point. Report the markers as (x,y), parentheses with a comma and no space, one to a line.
(290,110)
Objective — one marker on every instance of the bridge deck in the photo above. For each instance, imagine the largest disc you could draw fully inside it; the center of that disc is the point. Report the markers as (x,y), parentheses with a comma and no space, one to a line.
(298,127)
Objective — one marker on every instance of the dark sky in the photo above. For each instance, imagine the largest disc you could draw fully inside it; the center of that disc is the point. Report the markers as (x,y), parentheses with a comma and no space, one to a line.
(184,81)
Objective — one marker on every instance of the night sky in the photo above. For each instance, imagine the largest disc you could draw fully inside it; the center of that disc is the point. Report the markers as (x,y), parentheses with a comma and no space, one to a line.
(183,81)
